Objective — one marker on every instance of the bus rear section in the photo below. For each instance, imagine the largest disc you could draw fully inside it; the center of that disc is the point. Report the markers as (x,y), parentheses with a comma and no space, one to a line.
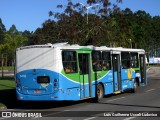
(35,77)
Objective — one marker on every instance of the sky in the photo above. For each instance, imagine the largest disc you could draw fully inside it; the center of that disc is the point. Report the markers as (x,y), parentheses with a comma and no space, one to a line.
(30,14)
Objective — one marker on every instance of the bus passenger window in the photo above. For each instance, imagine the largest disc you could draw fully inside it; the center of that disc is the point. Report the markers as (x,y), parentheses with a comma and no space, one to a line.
(125,59)
(96,61)
(69,61)
(68,67)
(96,65)
(106,61)
(134,60)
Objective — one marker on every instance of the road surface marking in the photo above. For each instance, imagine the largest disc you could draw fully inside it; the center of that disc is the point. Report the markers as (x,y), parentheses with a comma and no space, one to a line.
(129,118)
(89,118)
(150,90)
(10,109)
(66,110)
(115,99)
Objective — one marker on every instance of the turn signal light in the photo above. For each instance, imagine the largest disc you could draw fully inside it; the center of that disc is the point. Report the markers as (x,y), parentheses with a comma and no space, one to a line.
(18,85)
(17,81)
(55,80)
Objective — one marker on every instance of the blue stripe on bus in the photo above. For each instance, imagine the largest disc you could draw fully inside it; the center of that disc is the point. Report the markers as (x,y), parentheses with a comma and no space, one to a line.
(66,90)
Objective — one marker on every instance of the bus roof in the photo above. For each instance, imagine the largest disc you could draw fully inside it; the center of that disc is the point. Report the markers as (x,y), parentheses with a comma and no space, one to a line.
(65,45)
(57,45)
(119,49)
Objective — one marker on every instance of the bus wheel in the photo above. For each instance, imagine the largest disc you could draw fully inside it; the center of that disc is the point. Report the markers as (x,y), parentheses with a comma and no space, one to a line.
(135,86)
(100,92)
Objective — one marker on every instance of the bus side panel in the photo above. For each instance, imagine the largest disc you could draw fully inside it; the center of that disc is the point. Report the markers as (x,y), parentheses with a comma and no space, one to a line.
(69,89)
(124,79)
(108,86)
(127,77)
(107,81)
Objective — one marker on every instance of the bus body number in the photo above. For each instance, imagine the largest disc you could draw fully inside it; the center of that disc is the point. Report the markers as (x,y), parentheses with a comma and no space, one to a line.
(22,76)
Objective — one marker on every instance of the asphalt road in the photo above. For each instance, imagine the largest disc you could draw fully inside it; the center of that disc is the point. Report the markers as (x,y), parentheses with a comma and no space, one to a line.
(146,101)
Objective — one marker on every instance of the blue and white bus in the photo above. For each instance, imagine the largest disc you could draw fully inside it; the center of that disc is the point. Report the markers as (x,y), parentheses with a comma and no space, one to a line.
(56,72)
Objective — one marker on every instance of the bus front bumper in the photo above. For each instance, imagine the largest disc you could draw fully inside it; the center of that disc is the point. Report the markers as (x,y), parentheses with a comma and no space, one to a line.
(46,97)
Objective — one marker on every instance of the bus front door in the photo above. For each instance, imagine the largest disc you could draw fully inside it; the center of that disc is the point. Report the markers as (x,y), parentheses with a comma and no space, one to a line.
(116,73)
(85,75)
(142,69)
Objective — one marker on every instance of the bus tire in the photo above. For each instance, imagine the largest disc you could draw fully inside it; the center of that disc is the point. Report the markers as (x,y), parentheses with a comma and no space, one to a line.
(135,87)
(100,93)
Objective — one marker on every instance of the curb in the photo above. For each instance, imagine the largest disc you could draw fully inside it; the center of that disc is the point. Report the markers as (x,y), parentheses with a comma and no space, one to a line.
(148,69)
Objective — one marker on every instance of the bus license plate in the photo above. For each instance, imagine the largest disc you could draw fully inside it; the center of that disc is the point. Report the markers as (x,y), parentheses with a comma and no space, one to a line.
(37,91)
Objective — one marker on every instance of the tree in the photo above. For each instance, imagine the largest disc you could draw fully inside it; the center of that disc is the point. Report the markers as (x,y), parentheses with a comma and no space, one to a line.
(2,32)
(12,42)
(142,29)
(154,41)
(71,25)
(107,25)
(13,30)
(29,36)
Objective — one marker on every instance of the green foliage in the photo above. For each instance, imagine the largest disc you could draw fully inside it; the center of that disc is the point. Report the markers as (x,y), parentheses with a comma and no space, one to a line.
(13,31)
(12,39)
(2,32)
(108,26)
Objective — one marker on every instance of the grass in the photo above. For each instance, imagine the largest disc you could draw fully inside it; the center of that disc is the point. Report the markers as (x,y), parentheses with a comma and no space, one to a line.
(7,91)
(7,84)
(9,68)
